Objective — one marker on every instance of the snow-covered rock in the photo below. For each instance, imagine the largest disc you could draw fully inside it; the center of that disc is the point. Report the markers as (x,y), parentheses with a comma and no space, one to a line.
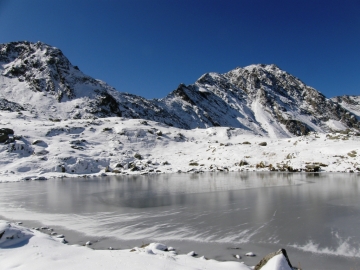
(275,261)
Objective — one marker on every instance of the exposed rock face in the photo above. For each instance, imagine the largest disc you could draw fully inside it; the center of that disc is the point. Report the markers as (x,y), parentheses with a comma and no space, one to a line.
(350,103)
(261,98)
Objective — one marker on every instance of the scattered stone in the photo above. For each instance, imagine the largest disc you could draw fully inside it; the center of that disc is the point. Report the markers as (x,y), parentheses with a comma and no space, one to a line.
(40,178)
(312,168)
(243,163)
(63,241)
(54,119)
(145,123)
(158,246)
(192,253)
(41,153)
(263,144)
(193,164)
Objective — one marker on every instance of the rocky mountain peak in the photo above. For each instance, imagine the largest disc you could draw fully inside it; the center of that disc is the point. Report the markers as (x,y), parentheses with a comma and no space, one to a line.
(42,67)
(262,99)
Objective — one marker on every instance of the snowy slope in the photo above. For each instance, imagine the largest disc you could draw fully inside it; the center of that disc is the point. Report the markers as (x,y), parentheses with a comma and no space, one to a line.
(40,79)
(350,103)
(116,145)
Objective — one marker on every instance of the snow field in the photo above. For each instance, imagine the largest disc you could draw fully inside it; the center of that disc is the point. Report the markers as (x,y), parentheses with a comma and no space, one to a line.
(93,147)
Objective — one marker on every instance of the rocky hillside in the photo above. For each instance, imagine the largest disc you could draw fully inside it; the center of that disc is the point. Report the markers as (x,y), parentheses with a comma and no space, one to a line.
(39,78)
(262,99)
(350,103)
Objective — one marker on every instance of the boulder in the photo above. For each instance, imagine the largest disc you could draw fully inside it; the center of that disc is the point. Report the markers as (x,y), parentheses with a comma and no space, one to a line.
(3,137)
(265,262)
(312,168)
(7,131)
(263,144)
(158,246)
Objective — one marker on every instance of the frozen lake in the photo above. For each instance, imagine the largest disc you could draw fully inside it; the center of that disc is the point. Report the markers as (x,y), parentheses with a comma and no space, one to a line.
(316,217)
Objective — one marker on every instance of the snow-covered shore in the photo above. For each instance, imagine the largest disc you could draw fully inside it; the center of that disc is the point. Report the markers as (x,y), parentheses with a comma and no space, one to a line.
(41,149)
(24,248)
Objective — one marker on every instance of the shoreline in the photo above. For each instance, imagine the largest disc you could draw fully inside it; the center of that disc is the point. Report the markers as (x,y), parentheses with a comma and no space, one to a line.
(51,176)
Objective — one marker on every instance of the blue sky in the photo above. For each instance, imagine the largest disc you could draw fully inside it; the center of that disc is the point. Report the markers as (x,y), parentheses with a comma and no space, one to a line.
(148,47)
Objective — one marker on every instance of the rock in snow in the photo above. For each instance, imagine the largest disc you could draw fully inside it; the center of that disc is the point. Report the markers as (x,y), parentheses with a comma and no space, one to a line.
(192,253)
(275,260)
(250,254)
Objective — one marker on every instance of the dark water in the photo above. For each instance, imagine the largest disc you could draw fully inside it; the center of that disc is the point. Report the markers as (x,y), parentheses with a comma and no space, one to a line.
(316,217)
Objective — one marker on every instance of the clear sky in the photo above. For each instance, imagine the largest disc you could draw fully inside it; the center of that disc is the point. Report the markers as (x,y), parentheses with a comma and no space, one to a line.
(149,47)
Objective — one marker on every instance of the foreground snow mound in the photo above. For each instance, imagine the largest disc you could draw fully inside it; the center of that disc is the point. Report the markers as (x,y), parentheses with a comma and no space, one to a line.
(21,248)
(11,236)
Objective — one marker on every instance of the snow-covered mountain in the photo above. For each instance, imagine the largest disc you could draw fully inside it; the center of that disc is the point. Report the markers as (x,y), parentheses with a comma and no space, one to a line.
(262,98)
(39,78)
(259,98)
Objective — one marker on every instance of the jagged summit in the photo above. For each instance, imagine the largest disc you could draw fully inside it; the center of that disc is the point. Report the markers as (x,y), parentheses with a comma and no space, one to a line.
(262,99)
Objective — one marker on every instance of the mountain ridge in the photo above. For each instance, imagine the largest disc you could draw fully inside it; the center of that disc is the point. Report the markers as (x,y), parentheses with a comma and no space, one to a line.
(261,98)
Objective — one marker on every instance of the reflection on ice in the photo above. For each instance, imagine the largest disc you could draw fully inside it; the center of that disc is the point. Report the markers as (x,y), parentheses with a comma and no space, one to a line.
(298,210)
